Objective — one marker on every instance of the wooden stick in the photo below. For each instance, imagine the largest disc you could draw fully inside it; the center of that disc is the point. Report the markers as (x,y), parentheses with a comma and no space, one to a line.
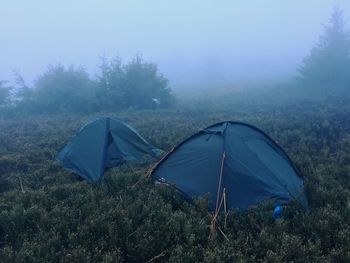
(225,207)
(20,181)
(156,257)
(223,234)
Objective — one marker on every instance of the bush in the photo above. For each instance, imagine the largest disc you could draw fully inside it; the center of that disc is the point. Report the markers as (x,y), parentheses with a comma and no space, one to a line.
(137,84)
(63,90)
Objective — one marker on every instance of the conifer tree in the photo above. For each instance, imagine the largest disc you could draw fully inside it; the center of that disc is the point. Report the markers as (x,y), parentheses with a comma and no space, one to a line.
(328,65)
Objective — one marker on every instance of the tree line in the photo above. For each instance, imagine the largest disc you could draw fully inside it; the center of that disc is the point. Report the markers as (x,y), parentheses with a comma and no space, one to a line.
(137,84)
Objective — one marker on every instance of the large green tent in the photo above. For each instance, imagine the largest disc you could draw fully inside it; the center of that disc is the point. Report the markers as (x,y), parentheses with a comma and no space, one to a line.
(102,144)
(236,163)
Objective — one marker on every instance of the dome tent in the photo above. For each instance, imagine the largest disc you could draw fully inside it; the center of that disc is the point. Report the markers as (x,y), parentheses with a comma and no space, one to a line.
(102,144)
(232,161)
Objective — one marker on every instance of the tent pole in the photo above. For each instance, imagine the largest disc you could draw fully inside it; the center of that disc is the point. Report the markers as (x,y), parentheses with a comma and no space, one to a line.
(218,200)
(225,206)
(149,172)
(220,180)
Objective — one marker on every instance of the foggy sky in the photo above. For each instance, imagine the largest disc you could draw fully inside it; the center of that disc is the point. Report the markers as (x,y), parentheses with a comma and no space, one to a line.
(194,42)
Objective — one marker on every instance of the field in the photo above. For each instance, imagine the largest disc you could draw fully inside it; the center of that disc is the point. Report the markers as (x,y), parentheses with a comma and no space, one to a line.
(48,215)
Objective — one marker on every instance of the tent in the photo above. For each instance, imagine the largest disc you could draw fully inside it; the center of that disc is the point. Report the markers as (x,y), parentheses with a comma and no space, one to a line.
(102,144)
(236,163)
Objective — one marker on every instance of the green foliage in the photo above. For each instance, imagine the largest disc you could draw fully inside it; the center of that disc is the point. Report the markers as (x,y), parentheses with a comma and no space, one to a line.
(136,84)
(63,90)
(23,94)
(110,83)
(143,83)
(5,93)
(57,218)
(328,65)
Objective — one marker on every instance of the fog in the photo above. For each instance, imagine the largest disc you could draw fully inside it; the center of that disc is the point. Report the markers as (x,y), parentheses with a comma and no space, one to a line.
(195,43)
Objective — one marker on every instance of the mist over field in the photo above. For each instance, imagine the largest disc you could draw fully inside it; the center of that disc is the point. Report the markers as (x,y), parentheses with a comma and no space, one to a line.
(194,43)
(175,131)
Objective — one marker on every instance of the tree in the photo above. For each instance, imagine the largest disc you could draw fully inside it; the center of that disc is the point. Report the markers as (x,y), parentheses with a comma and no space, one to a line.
(109,94)
(143,86)
(63,90)
(328,64)
(23,95)
(5,93)
(22,91)
(137,84)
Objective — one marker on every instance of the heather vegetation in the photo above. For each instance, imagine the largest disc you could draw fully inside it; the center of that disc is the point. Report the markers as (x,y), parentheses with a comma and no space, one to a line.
(49,215)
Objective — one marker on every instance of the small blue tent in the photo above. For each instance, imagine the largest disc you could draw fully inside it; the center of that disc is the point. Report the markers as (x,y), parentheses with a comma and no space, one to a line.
(232,161)
(103,144)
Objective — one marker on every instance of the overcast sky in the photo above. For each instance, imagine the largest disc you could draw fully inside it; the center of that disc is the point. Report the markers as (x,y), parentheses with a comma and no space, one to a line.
(194,42)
